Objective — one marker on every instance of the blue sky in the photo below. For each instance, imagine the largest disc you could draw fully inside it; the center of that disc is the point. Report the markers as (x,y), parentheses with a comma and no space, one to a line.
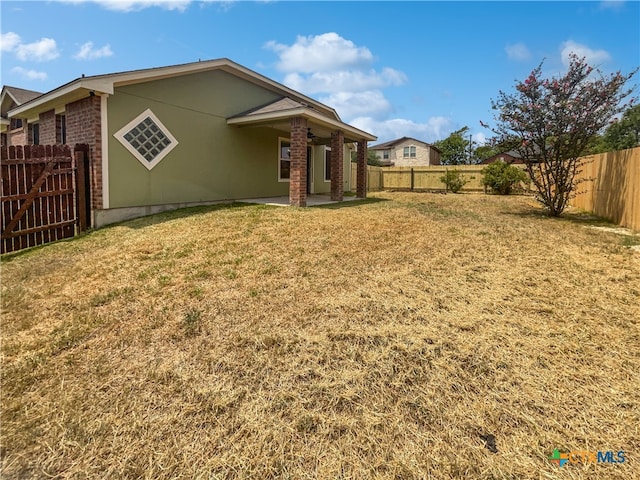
(420,69)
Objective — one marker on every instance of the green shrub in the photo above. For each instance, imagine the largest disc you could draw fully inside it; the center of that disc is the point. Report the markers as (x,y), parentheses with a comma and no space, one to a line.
(454,180)
(501,177)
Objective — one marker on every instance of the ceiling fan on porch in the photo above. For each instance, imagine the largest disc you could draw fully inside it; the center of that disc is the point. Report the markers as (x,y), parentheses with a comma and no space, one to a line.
(315,139)
(310,136)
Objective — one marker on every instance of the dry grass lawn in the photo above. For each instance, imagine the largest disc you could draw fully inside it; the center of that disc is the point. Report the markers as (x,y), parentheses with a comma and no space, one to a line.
(388,339)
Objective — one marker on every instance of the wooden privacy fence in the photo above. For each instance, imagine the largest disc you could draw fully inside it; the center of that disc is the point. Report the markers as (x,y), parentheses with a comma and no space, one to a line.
(610,186)
(419,178)
(44,194)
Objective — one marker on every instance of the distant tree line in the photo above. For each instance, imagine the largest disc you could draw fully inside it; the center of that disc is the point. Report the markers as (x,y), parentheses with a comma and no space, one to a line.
(621,134)
(459,148)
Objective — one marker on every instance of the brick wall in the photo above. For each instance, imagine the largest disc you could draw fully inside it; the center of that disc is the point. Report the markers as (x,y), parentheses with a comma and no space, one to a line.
(48,128)
(18,136)
(83,124)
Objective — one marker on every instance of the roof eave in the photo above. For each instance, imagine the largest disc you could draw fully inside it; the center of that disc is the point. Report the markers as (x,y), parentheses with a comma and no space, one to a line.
(106,84)
(353,133)
(71,92)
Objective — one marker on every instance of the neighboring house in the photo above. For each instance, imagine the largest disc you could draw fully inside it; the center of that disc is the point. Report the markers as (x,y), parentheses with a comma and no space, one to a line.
(197,133)
(407,152)
(14,131)
(508,157)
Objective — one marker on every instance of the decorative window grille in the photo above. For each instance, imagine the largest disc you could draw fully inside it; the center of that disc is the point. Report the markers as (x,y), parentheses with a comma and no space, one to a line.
(147,139)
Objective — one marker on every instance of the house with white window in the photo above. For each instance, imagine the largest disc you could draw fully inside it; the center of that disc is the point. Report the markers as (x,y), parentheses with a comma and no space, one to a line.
(191,134)
(407,152)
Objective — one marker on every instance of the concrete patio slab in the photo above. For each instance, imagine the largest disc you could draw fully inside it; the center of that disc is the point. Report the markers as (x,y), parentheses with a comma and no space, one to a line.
(312,200)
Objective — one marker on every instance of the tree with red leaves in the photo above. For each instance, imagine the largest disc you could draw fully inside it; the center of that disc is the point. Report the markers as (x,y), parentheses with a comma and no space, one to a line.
(550,122)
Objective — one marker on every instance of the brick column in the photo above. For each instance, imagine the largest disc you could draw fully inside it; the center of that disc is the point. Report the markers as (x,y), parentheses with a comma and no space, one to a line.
(298,171)
(361,176)
(84,125)
(337,165)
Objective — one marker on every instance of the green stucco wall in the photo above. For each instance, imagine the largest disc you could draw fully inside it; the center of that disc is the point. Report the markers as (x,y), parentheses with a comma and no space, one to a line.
(213,161)
(318,171)
(320,186)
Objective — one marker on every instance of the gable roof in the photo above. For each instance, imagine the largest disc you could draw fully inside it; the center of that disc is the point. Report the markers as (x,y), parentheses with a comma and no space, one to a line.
(277,106)
(279,112)
(393,143)
(12,97)
(291,102)
(106,84)
(20,95)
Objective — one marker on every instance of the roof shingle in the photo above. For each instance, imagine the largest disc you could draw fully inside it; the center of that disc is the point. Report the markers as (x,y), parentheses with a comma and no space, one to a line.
(21,95)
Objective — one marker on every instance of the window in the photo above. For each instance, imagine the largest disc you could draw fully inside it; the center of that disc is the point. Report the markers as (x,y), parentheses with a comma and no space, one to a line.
(147,139)
(34,133)
(284,159)
(16,123)
(409,152)
(327,164)
(385,155)
(61,129)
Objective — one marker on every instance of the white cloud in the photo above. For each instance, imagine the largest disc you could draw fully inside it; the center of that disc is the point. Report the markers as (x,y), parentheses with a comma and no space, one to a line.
(518,52)
(29,74)
(355,104)
(612,4)
(87,52)
(480,138)
(137,5)
(435,128)
(9,41)
(593,57)
(339,71)
(43,50)
(344,80)
(327,52)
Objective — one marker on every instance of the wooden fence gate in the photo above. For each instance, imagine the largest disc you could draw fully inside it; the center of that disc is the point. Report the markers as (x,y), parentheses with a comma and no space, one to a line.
(44,194)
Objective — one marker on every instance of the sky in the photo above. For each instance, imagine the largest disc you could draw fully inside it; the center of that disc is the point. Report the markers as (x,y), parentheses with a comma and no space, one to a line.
(421,69)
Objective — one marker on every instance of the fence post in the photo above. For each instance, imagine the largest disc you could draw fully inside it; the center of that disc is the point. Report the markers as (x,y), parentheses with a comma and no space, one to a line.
(412,179)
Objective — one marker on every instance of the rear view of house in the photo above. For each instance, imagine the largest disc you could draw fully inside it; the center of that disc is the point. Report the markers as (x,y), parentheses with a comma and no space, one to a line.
(197,133)
(407,152)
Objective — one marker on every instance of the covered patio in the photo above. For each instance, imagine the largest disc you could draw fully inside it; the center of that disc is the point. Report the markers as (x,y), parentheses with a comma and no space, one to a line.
(306,125)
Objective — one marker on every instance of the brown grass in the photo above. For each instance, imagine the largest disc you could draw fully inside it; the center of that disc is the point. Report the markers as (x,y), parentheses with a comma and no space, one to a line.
(390,339)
